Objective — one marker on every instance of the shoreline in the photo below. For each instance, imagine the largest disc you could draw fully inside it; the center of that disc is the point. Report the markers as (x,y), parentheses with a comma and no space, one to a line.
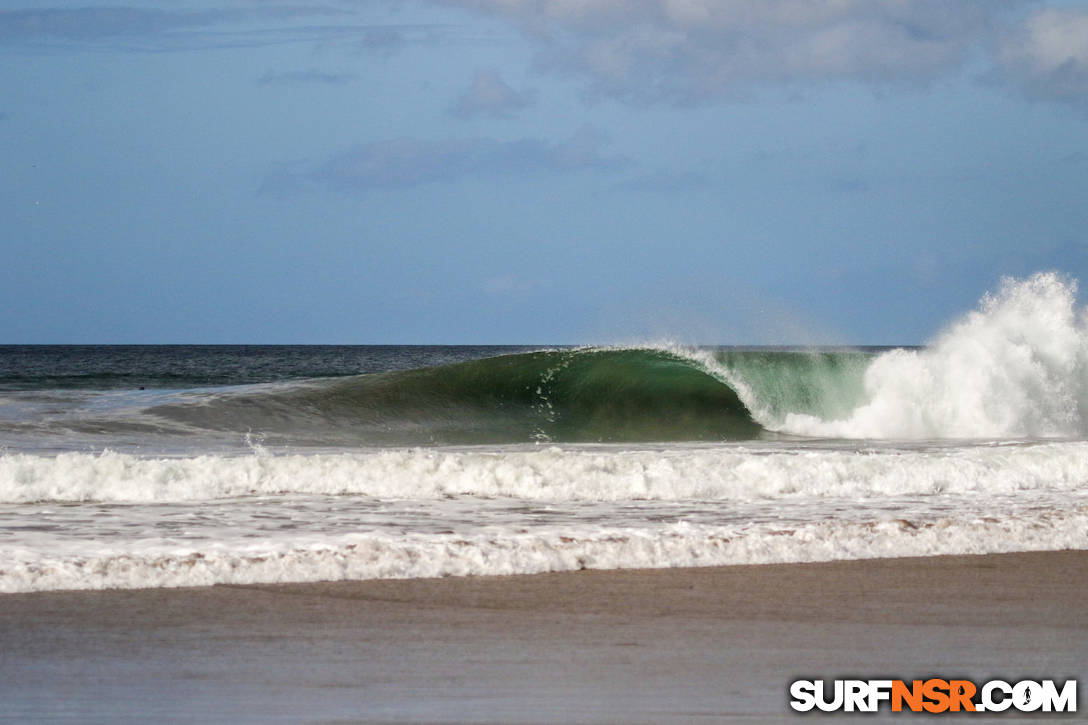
(715,644)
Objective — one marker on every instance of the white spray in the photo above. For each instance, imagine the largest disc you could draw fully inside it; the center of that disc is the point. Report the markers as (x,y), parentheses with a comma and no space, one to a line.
(1016,367)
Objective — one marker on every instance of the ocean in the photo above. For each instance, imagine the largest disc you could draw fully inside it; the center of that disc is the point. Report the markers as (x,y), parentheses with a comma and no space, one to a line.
(182,465)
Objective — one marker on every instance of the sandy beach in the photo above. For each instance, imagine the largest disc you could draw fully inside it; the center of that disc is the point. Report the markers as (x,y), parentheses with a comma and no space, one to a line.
(647,646)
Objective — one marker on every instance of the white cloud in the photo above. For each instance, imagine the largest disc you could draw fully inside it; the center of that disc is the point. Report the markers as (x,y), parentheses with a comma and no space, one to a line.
(304,77)
(138,28)
(490,95)
(692,50)
(667,182)
(407,162)
(1048,55)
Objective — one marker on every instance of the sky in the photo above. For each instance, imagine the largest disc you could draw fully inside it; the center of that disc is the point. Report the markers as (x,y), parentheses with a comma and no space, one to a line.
(533,171)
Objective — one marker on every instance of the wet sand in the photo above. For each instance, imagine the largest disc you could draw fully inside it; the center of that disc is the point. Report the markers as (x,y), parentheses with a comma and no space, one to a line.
(645,646)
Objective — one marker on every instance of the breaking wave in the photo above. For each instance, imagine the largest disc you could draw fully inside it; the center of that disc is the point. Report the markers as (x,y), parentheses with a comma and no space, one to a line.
(1017,367)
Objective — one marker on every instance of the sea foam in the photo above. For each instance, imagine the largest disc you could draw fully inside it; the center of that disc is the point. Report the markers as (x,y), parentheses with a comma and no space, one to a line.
(86,565)
(551,473)
(1015,367)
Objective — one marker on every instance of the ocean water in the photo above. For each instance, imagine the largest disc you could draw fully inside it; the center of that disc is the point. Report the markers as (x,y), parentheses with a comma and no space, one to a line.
(158,466)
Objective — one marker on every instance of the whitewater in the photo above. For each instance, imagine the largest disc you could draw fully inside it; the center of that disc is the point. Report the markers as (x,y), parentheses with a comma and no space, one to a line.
(184,466)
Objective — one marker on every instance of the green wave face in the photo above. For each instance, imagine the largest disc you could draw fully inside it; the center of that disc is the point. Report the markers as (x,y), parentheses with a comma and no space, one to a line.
(575,396)
(828,385)
(583,395)
(599,395)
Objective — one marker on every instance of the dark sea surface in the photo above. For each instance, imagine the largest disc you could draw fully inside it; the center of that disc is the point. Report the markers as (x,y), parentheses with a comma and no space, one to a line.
(37,367)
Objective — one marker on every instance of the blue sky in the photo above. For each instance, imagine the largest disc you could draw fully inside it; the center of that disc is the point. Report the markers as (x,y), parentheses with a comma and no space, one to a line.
(533,171)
